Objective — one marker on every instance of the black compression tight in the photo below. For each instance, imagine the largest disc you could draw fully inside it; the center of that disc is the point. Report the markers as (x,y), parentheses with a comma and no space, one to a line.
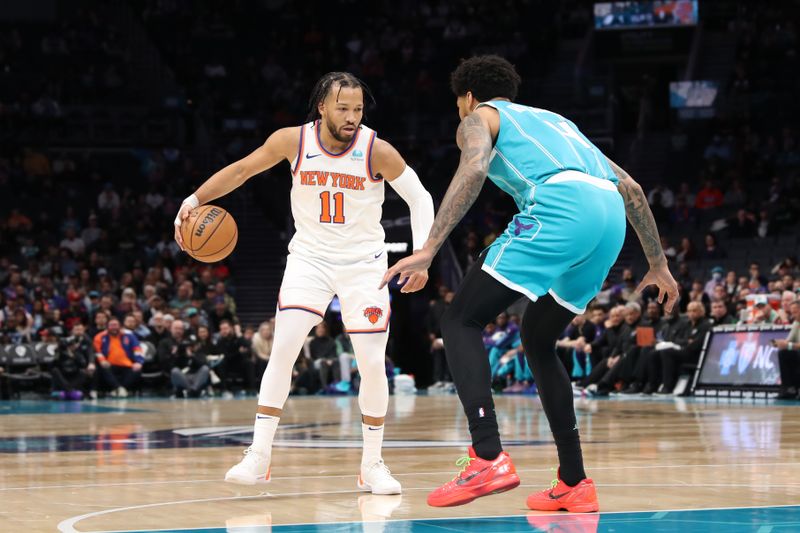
(479,299)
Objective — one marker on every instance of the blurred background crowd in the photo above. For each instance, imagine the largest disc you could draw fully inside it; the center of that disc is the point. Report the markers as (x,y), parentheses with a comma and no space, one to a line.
(111,113)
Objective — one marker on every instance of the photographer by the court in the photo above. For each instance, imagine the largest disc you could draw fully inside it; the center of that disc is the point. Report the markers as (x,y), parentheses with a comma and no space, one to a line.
(185,365)
(789,357)
(73,368)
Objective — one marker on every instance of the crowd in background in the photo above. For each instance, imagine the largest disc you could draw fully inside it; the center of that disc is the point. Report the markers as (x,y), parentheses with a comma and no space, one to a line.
(87,259)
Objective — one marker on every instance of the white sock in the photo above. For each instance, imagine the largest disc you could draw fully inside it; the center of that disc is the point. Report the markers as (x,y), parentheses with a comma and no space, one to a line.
(264,432)
(373,441)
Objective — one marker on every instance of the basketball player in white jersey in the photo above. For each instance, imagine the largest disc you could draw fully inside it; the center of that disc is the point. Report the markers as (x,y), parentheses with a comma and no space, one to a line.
(338,171)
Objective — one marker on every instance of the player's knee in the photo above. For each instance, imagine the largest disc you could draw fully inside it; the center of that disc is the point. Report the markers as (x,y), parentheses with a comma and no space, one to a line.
(454,321)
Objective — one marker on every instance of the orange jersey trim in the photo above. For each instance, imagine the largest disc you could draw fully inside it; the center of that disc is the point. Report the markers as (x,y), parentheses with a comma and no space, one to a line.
(282,307)
(369,159)
(299,150)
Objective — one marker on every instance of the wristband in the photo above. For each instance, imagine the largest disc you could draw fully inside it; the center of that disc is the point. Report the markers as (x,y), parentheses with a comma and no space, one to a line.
(192,202)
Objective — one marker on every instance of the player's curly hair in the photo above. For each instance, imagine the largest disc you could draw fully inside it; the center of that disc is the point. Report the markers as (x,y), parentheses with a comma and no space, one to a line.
(486,77)
(324,85)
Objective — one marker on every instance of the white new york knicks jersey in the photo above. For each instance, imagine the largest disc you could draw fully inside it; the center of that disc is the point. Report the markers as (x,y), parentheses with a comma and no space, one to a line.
(336,200)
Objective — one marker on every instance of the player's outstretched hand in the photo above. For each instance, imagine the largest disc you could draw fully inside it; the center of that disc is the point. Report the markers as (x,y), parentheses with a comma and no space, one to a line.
(662,278)
(413,271)
(183,214)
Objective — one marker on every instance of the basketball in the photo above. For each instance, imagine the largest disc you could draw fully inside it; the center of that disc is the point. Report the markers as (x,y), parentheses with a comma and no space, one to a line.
(209,234)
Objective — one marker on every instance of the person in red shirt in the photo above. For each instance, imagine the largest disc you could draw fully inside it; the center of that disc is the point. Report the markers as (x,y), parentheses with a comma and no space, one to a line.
(709,197)
(119,359)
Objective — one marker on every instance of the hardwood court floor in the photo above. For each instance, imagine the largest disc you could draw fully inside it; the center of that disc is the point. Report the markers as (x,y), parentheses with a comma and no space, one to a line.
(158,465)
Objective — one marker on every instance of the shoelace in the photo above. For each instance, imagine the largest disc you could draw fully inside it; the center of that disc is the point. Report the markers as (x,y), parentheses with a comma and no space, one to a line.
(464,462)
(382,466)
(554,482)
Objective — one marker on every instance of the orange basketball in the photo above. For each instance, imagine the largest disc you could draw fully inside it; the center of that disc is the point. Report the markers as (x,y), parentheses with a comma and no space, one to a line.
(209,234)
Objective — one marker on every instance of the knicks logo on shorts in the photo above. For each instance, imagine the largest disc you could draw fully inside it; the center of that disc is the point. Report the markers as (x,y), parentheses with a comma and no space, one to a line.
(373,314)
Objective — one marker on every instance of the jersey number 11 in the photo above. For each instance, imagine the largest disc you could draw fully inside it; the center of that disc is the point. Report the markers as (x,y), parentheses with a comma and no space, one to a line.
(338,208)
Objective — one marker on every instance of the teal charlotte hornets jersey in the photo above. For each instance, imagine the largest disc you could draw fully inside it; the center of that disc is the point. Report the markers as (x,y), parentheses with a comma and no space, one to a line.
(534,144)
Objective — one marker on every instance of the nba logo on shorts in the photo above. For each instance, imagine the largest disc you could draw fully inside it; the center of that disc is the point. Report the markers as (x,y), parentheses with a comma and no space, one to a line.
(481,412)
(373,314)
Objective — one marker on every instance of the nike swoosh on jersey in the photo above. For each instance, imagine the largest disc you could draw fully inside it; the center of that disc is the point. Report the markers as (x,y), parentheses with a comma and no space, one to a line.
(310,156)
(378,255)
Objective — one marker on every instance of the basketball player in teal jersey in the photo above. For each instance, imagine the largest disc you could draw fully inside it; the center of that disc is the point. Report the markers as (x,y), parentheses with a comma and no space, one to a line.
(557,251)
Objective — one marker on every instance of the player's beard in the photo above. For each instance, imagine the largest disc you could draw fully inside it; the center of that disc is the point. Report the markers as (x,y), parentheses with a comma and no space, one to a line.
(339,136)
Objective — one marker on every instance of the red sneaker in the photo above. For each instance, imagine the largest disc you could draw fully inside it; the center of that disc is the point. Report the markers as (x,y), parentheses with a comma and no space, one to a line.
(582,498)
(477,478)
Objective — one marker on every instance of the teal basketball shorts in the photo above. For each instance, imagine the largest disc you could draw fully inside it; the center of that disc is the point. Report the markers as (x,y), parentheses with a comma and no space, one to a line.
(564,243)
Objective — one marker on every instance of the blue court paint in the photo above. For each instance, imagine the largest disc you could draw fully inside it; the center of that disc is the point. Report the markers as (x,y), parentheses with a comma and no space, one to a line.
(746,520)
(43,407)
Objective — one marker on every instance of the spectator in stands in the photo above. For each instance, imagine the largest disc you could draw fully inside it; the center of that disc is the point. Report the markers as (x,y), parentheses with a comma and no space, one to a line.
(119,357)
(743,225)
(603,344)
(238,360)
(193,320)
(262,347)
(108,199)
(157,329)
(671,359)
(698,294)
(625,291)
(205,343)
(715,281)
(571,346)
(788,298)
(72,370)
(222,292)
(101,319)
(322,351)
(686,251)
(711,249)
(73,243)
(669,250)
(789,358)
(756,275)
(709,197)
(183,297)
(608,372)
(346,355)
(91,232)
(720,314)
(185,364)
(669,333)
(765,226)
(220,314)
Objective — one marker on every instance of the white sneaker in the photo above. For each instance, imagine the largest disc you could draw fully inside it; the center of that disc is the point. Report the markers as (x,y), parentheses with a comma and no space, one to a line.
(252,470)
(122,392)
(377,479)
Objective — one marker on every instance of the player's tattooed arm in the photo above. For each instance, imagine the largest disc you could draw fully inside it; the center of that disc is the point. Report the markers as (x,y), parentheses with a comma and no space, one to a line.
(640,216)
(475,140)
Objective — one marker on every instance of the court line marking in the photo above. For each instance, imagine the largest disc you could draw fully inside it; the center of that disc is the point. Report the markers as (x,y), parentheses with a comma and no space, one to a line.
(67,526)
(332,476)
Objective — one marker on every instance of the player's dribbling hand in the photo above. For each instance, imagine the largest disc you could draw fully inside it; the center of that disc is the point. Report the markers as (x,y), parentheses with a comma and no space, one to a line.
(667,286)
(183,214)
(413,271)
